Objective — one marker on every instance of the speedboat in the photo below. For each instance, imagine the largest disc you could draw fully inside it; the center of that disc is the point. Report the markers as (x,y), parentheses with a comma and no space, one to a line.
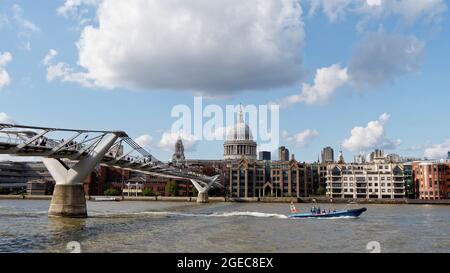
(343,213)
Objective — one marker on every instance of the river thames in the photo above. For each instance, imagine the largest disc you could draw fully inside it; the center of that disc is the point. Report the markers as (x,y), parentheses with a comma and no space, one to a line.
(221,227)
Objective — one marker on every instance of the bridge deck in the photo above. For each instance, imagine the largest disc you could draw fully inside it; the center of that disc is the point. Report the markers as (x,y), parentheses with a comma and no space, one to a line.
(27,141)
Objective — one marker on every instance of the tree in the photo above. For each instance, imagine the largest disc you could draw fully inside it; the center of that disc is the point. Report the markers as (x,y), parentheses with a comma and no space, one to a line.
(148,192)
(172,188)
(321,191)
(111,192)
(194,191)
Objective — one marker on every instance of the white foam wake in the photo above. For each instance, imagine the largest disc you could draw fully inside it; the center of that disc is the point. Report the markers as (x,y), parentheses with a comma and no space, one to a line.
(215,214)
(249,213)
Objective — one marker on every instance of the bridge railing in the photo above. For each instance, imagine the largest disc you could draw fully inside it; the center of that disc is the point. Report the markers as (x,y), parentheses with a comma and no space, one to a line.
(124,153)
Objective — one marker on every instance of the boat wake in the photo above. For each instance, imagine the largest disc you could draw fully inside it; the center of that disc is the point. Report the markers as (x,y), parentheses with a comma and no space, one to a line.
(181,214)
(249,213)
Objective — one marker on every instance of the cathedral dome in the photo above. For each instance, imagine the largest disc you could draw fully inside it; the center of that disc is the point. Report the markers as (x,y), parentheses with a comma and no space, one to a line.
(239,141)
(240,130)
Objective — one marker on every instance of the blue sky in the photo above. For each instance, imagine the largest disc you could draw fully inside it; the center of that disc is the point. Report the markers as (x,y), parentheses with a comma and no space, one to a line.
(102,81)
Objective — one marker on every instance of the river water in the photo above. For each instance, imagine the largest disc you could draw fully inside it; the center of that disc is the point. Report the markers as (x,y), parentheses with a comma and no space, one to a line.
(221,227)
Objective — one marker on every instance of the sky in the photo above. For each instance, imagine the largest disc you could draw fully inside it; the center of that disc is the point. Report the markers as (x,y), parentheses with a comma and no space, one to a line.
(355,75)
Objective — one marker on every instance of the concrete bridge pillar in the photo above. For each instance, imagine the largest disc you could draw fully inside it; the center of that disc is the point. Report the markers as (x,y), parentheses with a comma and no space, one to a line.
(68,198)
(202,197)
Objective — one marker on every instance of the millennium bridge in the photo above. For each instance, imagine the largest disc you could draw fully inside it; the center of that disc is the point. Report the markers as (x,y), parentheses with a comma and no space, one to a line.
(70,155)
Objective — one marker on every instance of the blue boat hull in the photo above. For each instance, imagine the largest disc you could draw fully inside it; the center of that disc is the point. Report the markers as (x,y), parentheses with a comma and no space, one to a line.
(344,213)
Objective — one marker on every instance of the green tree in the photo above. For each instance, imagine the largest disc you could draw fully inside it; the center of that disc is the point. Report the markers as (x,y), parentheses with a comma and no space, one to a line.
(172,188)
(321,191)
(111,192)
(148,192)
(194,191)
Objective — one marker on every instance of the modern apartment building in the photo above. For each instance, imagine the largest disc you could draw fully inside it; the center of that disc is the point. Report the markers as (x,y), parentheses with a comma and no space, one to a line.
(376,180)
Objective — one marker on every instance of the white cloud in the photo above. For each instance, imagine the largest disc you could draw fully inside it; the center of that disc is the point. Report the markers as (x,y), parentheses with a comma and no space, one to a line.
(25,28)
(373,3)
(370,137)
(212,47)
(438,151)
(74,7)
(410,11)
(379,59)
(333,9)
(63,72)
(301,139)
(5,79)
(4,118)
(382,58)
(49,57)
(168,140)
(80,11)
(326,82)
(144,141)
(26,24)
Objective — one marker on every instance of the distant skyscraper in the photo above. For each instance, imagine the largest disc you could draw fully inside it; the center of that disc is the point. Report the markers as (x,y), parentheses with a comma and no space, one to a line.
(327,155)
(448,155)
(283,154)
(377,156)
(264,155)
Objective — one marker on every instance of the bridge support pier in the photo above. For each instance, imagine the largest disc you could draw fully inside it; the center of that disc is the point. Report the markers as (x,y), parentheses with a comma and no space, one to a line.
(68,196)
(68,201)
(202,197)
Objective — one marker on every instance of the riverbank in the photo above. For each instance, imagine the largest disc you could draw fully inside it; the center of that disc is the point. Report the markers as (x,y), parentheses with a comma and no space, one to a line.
(242,200)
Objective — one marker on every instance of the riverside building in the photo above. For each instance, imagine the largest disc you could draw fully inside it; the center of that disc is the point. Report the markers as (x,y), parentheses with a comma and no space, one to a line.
(432,179)
(378,179)
(260,178)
